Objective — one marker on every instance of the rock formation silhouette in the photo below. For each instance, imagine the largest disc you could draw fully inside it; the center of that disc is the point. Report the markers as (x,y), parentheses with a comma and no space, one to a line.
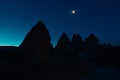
(77,43)
(63,47)
(64,42)
(68,60)
(36,45)
(91,42)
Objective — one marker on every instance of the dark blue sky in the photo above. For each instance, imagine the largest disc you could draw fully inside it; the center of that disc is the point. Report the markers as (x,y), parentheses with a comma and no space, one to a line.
(101,17)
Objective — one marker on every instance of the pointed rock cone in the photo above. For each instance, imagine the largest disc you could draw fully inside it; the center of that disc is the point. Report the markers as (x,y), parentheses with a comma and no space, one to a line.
(91,42)
(77,43)
(36,45)
(63,42)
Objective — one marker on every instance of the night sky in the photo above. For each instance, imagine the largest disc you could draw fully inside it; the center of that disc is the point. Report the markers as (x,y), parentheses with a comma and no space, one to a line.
(101,17)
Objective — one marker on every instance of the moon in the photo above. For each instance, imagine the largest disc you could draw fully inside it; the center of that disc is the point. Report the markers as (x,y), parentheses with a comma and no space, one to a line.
(73,11)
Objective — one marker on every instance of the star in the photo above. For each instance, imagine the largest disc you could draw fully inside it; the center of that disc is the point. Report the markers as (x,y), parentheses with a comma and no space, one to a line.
(73,12)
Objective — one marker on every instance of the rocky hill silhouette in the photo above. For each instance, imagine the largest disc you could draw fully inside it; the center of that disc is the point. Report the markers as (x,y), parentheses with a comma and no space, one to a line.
(70,59)
(63,42)
(77,43)
(36,45)
(64,45)
(91,42)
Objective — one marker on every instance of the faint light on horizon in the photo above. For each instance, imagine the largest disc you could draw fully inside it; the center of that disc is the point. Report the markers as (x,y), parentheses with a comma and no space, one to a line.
(9,45)
(5,45)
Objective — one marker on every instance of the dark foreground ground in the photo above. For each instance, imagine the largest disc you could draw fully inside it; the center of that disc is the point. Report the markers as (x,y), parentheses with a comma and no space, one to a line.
(51,71)
(58,71)
(86,66)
